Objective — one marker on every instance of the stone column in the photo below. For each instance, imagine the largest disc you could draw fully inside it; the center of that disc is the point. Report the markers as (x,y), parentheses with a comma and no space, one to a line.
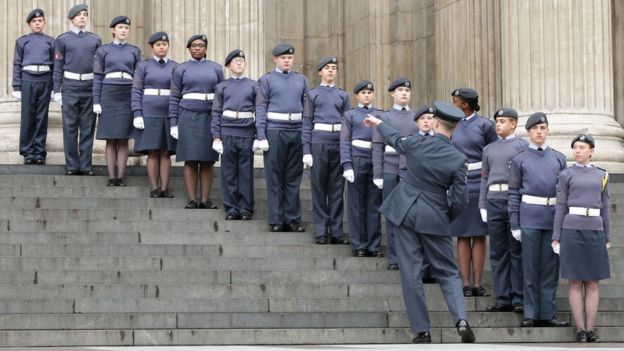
(556,57)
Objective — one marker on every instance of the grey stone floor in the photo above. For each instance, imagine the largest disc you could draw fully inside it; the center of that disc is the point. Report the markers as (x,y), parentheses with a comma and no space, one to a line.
(444,347)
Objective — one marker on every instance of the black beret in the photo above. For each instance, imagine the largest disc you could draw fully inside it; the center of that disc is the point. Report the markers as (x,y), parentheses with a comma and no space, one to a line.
(76,10)
(423,110)
(506,112)
(119,20)
(326,61)
(400,82)
(157,37)
(283,49)
(233,54)
(195,37)
(536,118)
(586,138)
(465,93)
(34,14)
(447,111)
(365,84)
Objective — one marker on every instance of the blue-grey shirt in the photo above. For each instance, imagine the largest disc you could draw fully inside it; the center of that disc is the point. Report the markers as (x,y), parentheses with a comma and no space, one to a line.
(150,74)
(74,53)
(32,49)
(234,94)
(470,137)
(111,58)
(403,122)
(353,128)
(324,104)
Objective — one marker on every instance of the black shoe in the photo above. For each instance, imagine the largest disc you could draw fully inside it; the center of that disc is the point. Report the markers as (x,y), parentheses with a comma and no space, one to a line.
(339,241)
(166,194)
(422,338)
(120,182)
(467,291)
(592,337)
(479,291)
(88,173)
(294,227)
(528,323)
(232,217)
(276,228)
(208,204)
(360,253)
(393,267)
(554,323)
(581,336)
(155,193)
(499,308)
(71,172)
(321,241)
(428,280)
(191,204)
(376,253)
(111,182)
(40,161)
(464,330)
(77,172)
(29,161)
(517,308)
(246,217)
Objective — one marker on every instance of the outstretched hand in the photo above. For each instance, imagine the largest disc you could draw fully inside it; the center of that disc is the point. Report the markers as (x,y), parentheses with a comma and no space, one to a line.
(370,121)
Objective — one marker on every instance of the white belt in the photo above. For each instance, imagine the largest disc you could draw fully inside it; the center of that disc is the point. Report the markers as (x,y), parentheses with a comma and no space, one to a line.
(157,92)
(390,150)
(498,187)
(585,211)
(362,143)
(327,127)
(284,116)
(238,115)
(78,76)
(120,75)
(474,166)
(536,200)
(36,68)
(198,96)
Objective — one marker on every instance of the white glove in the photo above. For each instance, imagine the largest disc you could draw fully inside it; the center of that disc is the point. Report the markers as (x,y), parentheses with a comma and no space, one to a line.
(307,160)
(349,175)
(255,147)
(378,183)
(263,145)
(17,95)
(52,94)
(483,215)
(97,109)
(58,98)
(517,234)
(608,245)
(555,247)
(174,132)
(218,146)
(138,122)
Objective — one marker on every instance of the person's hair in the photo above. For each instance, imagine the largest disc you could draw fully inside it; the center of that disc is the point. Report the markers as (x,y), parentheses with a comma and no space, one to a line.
(473,104)
(447,125)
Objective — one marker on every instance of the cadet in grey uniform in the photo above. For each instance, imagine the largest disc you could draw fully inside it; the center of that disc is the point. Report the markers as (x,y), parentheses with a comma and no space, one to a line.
(73,90)
(532,190)
(323,112)
(32,84)
(279,107)
(582,234)
(385,158)
(505,251)
(113,66)
(432,193)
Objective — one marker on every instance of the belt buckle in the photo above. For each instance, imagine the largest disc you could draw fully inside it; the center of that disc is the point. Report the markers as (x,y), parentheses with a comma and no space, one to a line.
(158,92)
(79,76)
(587,211)
(289,116)
(37,68)
(206,97)
(236,116)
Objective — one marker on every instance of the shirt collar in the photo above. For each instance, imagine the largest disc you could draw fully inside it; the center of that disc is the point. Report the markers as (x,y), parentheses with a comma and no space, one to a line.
(118,42)
(234,77)
(512,136)
(156,58)
(399,107)
(361,105)
(280,71)
(76,29)
(424,133)
(534,147)
(327,85)
(589,165)
(200,60)
(469,117)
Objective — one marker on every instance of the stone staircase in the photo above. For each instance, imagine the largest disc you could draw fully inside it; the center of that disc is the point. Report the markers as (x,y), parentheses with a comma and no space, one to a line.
(85,264)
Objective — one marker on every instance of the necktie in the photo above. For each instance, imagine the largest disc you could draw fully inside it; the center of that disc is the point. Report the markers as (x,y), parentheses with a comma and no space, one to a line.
(285,72)
(161,61)
(403,109)
(80,32)
(540,149)
(366,107)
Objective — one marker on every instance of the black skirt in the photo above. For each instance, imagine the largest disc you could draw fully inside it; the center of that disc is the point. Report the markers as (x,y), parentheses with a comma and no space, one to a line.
(155,136)
(469,223)
(115,121)
(195,137)
(584,255)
